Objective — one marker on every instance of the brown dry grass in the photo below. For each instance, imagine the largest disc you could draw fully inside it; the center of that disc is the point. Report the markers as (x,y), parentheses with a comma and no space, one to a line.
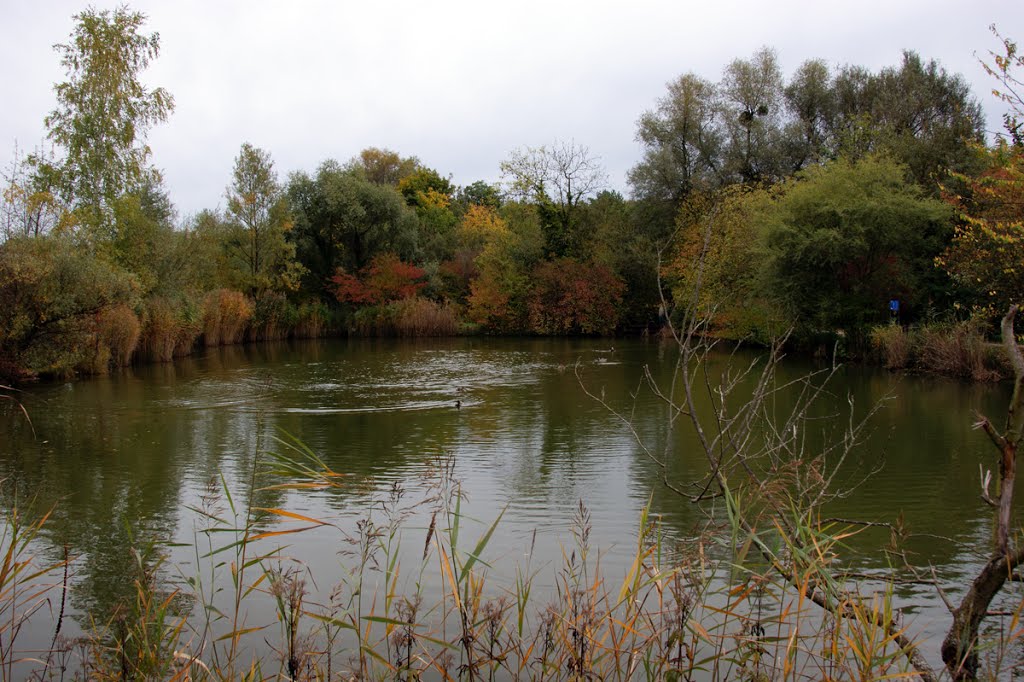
(226,315)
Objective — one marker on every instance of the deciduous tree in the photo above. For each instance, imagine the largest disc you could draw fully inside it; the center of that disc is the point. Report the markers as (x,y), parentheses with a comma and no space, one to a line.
(986,254)
(555,179)
(383,166)
(1004,68)
(570,297)
(751,92)
(682,139)
(342,220)
(258,212)
(104,111)
(845,238)
(386,279)
(28,206)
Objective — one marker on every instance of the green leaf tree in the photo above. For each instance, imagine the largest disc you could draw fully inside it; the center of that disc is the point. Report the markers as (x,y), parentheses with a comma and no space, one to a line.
(342,220)
(104,111)
(682,140)
(752,101)
(478,193)
(844,239)
(714,269)
(53,293)
(258,212)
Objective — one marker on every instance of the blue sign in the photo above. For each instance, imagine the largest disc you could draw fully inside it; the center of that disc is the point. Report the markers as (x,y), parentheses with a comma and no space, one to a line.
(894,306)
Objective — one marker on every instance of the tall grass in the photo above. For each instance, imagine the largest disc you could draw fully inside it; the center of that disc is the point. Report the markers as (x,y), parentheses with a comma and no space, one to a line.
(312,320)
(418,316)
(113,336)
(955,349)
(226,315)
(892,344)
(171,329)
(413,316)
(708,609)
(31,590)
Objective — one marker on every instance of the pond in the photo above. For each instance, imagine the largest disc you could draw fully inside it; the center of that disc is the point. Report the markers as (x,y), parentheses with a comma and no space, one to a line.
(130,458)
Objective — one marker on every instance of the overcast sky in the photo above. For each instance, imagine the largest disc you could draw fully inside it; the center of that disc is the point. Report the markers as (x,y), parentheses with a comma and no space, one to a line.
(459,84)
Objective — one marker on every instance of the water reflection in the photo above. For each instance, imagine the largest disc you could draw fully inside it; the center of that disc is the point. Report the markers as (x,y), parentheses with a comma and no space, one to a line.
(127,456)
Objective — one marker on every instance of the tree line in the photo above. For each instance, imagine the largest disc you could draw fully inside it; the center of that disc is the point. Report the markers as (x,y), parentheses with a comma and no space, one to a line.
(809,203)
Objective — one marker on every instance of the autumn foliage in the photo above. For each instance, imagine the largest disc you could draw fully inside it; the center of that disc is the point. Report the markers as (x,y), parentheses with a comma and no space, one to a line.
(570,297)
(987,252)
(384,280)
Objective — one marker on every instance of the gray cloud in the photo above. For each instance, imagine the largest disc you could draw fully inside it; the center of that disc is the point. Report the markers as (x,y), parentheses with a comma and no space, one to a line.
(459,84)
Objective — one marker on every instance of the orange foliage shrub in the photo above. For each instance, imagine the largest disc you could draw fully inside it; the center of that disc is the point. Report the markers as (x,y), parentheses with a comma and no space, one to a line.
(385,279)
(491,305)
(570,297)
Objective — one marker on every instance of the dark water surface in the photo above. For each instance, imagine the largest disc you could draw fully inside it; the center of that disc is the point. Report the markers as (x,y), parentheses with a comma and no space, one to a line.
(129,456)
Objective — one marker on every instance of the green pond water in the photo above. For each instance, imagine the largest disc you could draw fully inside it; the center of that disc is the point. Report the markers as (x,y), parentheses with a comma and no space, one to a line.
(132,455)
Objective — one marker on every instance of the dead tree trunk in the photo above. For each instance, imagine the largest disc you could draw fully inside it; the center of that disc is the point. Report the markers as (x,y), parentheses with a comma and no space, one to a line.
(959,648)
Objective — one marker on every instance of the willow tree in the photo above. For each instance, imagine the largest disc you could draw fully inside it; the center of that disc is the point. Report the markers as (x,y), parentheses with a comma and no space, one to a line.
(104,111)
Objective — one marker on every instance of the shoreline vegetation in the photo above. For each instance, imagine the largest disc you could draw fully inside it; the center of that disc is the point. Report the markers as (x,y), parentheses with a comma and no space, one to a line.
(120,339)
(815,203)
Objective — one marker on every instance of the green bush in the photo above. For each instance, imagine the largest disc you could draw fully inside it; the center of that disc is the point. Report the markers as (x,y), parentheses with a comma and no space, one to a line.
(54,295)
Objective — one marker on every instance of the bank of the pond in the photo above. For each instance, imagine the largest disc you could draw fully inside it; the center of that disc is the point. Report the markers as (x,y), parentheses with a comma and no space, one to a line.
(958,349)
(163,330)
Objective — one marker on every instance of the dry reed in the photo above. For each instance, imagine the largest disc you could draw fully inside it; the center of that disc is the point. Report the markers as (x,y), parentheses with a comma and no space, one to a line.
(226,315)
(112,340)
(171,329)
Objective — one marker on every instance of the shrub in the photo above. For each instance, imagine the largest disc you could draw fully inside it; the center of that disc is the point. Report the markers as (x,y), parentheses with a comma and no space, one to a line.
(312,320)
(571,297)
(52,294)
(386,279)
(495,303)
(375,320)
